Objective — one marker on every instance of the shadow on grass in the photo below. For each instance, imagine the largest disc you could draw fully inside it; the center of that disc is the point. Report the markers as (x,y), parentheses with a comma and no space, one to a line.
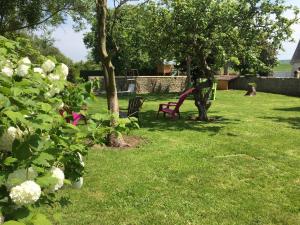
(292,109)
(293,121)
(150,122)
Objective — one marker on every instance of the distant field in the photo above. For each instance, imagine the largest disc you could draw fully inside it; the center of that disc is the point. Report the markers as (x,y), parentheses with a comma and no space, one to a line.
(283,66)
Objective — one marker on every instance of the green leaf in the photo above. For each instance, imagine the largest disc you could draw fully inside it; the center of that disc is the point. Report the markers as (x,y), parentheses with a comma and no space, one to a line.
(5,90)
(16,91)
(67,182)
(3,51)
(20,213)
(15,116)
(40,219)
(88,87)
(21,151)
(72,127)
(45,107)
(46,181)
(45,118)
(43,159)
(9,161)
(34,140)
(9,45)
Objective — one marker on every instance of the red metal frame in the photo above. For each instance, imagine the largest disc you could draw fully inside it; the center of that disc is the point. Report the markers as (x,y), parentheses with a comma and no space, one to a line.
(166,108)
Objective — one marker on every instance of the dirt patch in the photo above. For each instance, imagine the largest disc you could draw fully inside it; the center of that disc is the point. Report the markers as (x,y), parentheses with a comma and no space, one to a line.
(132,141)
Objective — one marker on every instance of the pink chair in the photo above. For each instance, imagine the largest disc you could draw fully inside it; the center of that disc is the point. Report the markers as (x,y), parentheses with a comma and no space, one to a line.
(166,108)
(76,117)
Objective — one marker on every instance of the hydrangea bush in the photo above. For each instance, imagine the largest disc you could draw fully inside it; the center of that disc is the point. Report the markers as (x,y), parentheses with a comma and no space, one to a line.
(39,151)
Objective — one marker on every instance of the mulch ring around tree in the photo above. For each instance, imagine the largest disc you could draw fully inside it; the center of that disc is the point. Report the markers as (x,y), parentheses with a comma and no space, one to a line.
(132,141)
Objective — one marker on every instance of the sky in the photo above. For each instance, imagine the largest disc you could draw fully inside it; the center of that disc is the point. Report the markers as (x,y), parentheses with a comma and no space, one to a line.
(71,42)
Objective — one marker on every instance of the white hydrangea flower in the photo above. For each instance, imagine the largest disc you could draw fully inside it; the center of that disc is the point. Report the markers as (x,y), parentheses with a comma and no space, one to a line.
(22,70)
(48,66)
(25,61)
(81,159)
(78,184)
(47,95)
(8,138)
(7,71)
(39,71)
(15,132)
(26,193)
(52,91)
(53,77)
(61,106)
(63,70)
(1,219)
(19,176)
(60,176)
(9,63)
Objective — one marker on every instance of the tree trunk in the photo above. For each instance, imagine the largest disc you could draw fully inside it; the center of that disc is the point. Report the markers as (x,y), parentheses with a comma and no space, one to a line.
(109,71)
(202,102)
(105,74)
(188,72)
(201,97)
(251,90)
(226,69)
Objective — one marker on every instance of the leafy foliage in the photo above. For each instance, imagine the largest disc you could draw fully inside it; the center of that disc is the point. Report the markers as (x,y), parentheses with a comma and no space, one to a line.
(17,15)
(34,137)
(138,34)
(39,150)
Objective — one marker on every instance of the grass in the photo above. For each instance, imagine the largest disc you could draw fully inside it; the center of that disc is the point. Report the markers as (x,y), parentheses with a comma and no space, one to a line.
(241,169)
(283,66)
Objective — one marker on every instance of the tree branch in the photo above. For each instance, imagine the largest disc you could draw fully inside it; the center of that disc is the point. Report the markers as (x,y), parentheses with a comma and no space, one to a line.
(65,8)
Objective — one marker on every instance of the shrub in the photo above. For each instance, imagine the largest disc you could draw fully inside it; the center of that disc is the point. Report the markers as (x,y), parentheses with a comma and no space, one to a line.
(39,151)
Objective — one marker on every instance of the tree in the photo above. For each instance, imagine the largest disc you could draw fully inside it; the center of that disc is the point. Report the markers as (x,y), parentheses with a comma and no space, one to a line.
(19,14)
(214,32)
(138,33)
(107,47)
(263,26)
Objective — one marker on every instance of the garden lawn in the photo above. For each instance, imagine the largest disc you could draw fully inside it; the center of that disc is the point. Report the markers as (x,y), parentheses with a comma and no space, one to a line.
(283,66)
(244,168)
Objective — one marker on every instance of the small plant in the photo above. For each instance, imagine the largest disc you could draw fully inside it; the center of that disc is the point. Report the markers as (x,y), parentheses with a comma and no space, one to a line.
(99,127)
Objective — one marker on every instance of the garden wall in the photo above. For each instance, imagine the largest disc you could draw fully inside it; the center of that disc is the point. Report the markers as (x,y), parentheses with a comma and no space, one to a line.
(150,84)
(286,86)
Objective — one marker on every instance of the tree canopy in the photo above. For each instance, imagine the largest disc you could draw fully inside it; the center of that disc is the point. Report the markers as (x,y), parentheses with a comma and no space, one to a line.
(138,33)
(246,33)
(19,14)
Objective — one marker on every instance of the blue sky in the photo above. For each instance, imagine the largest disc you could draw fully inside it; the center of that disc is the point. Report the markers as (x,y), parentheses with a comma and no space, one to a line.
(71,42)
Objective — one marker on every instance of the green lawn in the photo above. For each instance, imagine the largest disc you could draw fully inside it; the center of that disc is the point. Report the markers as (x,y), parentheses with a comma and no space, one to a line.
(243,168)
(283,66)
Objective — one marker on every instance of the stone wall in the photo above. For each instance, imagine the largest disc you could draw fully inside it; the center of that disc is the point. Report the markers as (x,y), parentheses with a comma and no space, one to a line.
(286,86)
(149,84)
(160,84)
